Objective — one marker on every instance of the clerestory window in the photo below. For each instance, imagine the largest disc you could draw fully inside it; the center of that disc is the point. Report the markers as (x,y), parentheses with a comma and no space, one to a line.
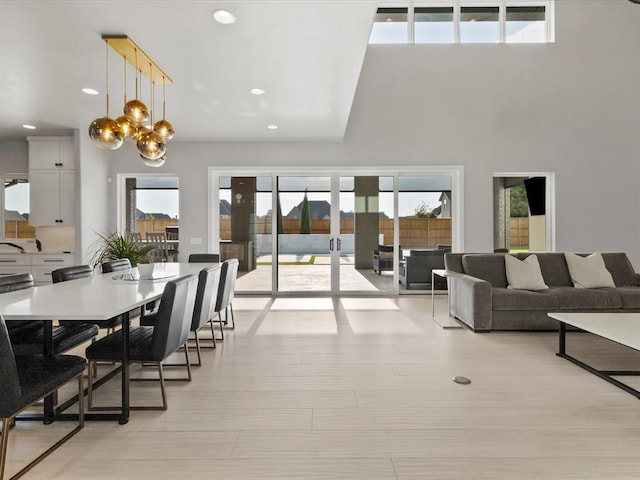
(464,21)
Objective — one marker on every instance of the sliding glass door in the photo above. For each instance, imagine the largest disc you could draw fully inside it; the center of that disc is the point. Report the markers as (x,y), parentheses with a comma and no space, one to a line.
(331,233)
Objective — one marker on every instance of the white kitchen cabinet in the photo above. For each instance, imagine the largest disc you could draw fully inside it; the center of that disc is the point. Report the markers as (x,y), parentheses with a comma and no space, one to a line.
(14,264)
(43,265)
(52,181)
(39,265)
(51,153)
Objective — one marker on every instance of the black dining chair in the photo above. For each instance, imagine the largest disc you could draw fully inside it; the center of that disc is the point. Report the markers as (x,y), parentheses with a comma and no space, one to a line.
(226,292)
(119,265)
(152,344)
(116,265)
(83,271)
(204,258)
(27,336)
(24,379)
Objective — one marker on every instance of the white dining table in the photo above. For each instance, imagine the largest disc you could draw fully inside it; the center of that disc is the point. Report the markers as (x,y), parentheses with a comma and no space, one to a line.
(99,297)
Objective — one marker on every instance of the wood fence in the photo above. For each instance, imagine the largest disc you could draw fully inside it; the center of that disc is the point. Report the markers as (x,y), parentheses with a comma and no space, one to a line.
(414,232)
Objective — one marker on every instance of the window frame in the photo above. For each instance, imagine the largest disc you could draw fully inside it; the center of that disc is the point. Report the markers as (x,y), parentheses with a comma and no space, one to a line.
(549,6)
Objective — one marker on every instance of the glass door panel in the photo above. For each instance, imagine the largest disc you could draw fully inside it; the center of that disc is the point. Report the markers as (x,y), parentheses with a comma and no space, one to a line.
(424,208)
(366,256)
(304,238)
(245,226)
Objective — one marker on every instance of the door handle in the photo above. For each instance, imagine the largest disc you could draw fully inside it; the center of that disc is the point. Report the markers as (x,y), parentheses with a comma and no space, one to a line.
(339,244)
(331,244)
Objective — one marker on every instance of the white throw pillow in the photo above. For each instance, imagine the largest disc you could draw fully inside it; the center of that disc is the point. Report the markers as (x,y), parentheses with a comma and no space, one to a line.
(524,274)
(588,272)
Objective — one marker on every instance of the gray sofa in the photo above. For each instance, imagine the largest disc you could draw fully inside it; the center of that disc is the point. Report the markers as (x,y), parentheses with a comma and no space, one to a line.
(480,297)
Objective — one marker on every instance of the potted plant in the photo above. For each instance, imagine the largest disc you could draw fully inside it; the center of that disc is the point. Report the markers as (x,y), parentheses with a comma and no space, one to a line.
(145,266)
(114,245)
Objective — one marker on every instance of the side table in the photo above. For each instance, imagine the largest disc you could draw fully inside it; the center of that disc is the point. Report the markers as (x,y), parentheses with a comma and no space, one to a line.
(445,274)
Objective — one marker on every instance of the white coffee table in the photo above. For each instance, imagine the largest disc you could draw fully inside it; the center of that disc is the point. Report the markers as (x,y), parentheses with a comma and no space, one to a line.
(622,328)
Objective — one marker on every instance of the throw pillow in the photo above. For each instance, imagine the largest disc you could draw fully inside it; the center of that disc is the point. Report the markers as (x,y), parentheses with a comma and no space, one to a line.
(524,274)
(588,272)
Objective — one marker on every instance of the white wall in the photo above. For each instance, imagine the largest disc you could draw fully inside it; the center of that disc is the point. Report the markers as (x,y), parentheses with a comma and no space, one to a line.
(14,156)
(93,195)
(572,107)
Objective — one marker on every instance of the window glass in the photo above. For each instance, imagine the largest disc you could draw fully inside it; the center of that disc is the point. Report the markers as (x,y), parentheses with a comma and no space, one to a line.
(16,208)
(390,26)
(152,204)
(433,25)
(526,24)
(479,25)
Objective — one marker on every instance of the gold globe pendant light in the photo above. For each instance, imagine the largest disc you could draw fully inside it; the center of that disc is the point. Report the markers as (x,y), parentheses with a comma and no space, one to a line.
(136,123)
(127,125)
(151,145)
(154,163)
(106,132)
(164,127)
(135,110)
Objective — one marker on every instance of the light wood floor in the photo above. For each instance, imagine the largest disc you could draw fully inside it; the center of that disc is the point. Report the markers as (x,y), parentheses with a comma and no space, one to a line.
(360,389)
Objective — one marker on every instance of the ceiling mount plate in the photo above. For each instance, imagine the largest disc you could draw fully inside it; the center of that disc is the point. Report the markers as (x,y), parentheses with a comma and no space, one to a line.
(134,55)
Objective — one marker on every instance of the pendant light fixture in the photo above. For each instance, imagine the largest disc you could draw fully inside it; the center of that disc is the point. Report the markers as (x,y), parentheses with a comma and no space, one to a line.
(163,126)
(127,125)
(105,131)
(136,123)
(135,110)
(151,145)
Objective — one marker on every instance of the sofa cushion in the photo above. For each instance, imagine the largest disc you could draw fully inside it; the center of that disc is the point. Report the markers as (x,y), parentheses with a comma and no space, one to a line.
(489,267)
(620,268)
(508,299)
(524,274)
(553,267)
(589,271)
(570,298)
(629,296)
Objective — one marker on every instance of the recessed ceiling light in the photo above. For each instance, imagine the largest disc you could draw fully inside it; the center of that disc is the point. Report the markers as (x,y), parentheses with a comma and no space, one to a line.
(225,17)
(272,127)
(29,127)
(90,91)
(257,91)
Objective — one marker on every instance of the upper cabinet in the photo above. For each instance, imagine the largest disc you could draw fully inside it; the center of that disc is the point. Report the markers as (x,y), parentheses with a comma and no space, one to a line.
(52,181)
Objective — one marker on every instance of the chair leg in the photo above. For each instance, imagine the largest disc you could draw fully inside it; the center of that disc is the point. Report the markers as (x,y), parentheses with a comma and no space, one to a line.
(199,364)
(162,389)
(186,357)
(233,318)
(221,326)
(4,441)
(90,366)
(213,333)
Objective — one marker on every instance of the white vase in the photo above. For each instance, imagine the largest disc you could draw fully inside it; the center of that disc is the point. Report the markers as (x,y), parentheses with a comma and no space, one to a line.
(145,270)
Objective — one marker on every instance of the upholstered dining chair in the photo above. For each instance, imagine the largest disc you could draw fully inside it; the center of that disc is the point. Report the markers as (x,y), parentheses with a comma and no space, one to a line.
(82,271)
(226,292)
(204,308)
(204,258)
(24,379)
(27,336)
(116,265)
(152,344)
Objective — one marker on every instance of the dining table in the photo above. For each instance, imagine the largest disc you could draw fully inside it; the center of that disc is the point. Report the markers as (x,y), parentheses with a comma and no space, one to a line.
(99,297)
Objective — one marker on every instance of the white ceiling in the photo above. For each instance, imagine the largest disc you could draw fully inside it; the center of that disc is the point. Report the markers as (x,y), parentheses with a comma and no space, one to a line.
(305,54)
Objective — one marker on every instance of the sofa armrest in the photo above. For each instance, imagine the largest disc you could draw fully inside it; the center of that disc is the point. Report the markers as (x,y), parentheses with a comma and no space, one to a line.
(471,301)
